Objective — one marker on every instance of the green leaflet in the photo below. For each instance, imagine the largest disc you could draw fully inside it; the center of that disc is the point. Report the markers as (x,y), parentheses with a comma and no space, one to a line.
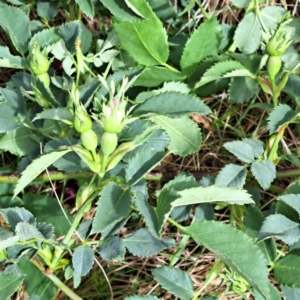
(16,23)
(142,163)
(290,293)
(185,135)
(47,10)
(252,224)
(120,9)
(7,60)
(175,281)
(113,206)
(9,284)
(212,194)
(280,115)
(242,89)
(264,172)
(60,114)
(202,43)
(280,227)
(36,167)
(145,41)
(292,200)
(155,76)
(230,245)
(136,297)
(83,259)
(143,244)
(287,270)
(87,7)
(172,103)
(224,69)
(112,247)
(232,176)
(247,35)
(241,3)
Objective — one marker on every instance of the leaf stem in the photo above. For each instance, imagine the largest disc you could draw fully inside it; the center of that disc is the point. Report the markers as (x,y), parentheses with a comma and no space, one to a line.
(56,280)
(272,154)
(181,228)
(206,15)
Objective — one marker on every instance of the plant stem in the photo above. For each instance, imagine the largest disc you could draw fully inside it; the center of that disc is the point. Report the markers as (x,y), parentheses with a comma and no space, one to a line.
(59,250)
(206,15)
(274,92)
(280,133)
(181,228)
(56,281)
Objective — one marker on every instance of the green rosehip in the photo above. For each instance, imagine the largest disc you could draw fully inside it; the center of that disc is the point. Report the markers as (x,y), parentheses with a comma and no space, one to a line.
(89,140)
(274,64)
(38,63)
(82,121)
(109,142)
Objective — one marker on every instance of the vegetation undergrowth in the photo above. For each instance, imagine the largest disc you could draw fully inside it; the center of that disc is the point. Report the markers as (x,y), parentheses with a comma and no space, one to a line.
(149,150)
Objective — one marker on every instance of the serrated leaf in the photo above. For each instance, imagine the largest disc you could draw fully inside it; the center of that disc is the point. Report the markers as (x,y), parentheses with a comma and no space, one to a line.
(287,269)
(242,89)
(241,149)
(11,241)
(87,7)
(223,69)
(290,293)
(19,142)
(274,294)
(256,146)
(280,227)
(280,115)
(172,103)
(143,244)
(36,167)
(60,114)
(202,43)
(175,281)
(111,248)
(113,206)
(247,36)
(264,172)
(47,230)
(120,9)
(7,60)
(4,233)
(9,284)
(232,176)
(70,32)
(146,41)
(212,194)
(241,3)
(252,224)
(83,259)
(45,37)
(15,215)
(292,200)
(169,194)
(26,231)
(142,163)
(185,135)
(155,76)
(230,245)
(16,23)
(163,9)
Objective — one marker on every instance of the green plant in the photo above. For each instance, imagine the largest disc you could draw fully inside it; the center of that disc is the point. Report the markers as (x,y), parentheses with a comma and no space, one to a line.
(117,109)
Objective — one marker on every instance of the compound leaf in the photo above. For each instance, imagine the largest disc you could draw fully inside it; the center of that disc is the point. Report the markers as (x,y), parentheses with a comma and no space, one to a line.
(112,247)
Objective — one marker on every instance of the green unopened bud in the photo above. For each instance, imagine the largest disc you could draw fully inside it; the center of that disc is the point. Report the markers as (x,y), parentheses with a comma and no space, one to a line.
(82,121)
(89,140)
(274,65)
(38,62)
(109,142)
